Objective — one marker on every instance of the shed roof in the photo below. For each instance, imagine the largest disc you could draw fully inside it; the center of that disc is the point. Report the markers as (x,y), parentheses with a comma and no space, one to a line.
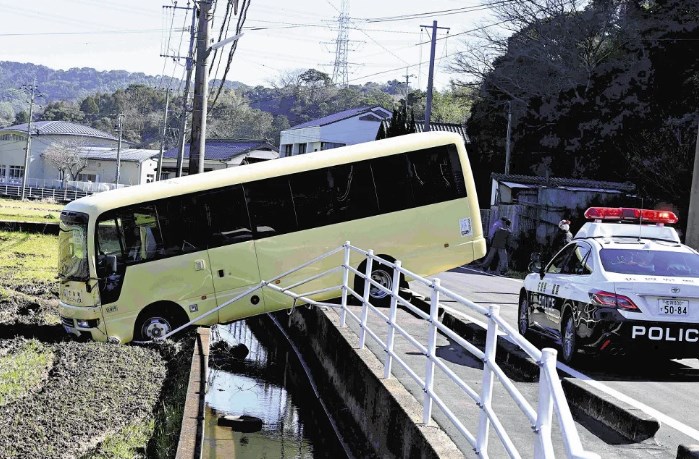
(110,154)
(59,128)
(225,149)
(561,182)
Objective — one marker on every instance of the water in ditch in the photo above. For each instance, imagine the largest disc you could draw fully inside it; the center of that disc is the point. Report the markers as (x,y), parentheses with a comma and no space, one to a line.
(269,384)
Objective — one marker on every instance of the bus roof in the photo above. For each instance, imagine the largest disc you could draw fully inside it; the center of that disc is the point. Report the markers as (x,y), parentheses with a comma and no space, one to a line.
(98,203)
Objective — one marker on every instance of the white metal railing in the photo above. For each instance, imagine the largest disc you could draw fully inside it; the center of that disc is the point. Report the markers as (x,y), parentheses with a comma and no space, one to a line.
(551,398)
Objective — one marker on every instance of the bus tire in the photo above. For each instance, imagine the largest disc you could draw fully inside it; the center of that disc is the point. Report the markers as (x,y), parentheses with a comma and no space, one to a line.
(158,320)
(382,274)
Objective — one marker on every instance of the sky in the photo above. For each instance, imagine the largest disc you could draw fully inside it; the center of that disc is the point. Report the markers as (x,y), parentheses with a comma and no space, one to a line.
(386,38)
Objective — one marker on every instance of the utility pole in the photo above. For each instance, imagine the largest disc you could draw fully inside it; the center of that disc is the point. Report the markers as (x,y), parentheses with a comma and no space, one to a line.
(197,147)
(185,97)
(407,88)
(430,77)
(162,138)
(120,129)
(692,236)
(28,148)
(509,135)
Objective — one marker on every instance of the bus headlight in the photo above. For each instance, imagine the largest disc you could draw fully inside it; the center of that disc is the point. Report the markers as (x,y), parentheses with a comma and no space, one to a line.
(93,323)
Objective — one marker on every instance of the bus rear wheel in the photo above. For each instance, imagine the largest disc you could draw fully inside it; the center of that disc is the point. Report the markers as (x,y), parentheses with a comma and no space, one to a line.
(382,275)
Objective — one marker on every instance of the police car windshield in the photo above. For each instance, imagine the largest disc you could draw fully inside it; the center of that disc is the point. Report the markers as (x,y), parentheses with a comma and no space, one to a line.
(650,262)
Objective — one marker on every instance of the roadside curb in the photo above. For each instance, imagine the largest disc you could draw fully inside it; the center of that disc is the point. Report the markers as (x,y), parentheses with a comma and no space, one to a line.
(189,445)
(621,417)
(629,421)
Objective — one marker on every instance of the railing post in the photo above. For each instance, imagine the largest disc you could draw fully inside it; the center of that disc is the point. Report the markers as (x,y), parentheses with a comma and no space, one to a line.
(365,298)
(544,413)
(431,353)
(491,342)
(345,283)
(390,336)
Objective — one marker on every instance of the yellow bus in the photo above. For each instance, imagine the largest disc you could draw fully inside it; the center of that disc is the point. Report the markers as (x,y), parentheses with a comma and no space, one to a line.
(138,262)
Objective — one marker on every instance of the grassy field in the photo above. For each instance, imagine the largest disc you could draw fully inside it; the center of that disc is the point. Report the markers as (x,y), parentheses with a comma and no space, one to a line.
(29,211)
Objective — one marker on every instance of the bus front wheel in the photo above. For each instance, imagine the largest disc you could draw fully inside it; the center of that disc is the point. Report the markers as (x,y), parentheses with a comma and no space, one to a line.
(154,323)
(382,275)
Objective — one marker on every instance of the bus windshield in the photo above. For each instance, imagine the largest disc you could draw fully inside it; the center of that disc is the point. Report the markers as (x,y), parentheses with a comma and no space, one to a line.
(72,247)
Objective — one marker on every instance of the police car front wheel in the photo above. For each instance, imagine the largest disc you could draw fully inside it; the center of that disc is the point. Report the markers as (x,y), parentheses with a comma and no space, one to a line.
(569,345)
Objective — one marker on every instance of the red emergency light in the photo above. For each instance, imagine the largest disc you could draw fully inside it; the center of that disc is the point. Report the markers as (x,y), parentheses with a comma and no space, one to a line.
(631,214)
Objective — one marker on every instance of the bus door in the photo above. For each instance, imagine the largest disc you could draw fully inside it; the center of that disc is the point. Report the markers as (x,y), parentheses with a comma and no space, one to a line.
(232,254)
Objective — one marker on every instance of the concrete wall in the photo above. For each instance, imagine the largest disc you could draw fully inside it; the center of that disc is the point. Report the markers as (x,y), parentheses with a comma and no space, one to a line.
(388,416)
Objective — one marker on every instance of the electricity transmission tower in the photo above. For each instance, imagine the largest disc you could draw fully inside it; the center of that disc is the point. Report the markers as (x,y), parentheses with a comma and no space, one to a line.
(340,67)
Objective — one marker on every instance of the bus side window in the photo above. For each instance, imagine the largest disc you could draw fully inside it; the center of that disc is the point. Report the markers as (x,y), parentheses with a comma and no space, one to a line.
(271,207)
(228,215)
(433,176)
(314,198)
(354,194)
(333,195)
(393,179)
(184,225)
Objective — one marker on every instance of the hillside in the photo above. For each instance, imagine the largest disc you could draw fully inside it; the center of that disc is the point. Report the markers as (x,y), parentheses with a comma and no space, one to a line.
(67,85)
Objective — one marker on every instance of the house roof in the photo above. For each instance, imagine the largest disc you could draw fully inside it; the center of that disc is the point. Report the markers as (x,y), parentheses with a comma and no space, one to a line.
(126,154)
(59,128)
(224,149)
(420,127)
(382,113)
(561,182)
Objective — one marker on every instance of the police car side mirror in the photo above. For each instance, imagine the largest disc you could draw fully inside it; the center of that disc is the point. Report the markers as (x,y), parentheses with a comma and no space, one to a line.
(535,267)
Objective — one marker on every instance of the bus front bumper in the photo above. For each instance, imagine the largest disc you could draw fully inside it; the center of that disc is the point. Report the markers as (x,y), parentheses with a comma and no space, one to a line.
(83,321)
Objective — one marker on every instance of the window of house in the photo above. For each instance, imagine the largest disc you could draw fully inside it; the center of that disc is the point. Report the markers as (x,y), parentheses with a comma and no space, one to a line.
(164,175)
(302,148)
(288,149)
(3,172)
(87,177)
(16,172)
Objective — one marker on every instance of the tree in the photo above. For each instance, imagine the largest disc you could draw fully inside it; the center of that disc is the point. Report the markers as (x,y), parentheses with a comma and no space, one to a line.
(7,114)
(67,158)
(63,111)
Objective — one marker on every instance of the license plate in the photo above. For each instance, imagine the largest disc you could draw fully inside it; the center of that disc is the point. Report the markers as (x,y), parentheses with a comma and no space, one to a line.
(672,307)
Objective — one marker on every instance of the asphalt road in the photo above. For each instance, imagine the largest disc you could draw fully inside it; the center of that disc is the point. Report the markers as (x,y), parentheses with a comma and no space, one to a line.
(666,390)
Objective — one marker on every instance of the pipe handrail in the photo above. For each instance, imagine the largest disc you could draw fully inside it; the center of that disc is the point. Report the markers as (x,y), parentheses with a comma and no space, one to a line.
(551,395)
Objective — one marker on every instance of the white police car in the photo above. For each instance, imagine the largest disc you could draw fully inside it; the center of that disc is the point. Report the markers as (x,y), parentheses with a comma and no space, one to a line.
(620,285)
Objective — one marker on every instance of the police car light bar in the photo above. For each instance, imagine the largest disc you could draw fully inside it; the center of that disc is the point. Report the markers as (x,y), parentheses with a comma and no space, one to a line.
(630,214)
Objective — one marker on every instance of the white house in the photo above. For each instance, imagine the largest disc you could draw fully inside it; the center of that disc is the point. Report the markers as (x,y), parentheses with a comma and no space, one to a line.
(99,148)
(221,154)
(13,141)
(348,127)
(136,166)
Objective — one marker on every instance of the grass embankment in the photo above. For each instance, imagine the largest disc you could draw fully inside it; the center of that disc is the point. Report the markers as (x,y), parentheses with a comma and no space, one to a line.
(60,398)
(29,211)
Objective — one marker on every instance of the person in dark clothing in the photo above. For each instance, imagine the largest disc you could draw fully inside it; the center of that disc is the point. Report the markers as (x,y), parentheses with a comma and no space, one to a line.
(563,236)
(500,243)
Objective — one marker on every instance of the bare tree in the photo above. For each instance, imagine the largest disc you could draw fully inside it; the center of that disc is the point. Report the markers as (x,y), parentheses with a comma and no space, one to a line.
(67,158)
(562,40)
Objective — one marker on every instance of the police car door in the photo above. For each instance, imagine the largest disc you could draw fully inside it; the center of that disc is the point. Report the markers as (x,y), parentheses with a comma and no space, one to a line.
(565,282)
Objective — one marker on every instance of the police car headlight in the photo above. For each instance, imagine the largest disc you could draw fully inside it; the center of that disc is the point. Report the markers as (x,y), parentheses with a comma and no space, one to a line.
(612,300)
